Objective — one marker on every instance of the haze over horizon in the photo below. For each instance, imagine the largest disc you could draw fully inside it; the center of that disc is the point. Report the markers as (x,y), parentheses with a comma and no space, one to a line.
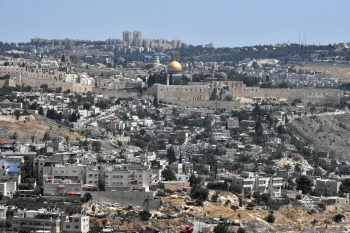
(223,22)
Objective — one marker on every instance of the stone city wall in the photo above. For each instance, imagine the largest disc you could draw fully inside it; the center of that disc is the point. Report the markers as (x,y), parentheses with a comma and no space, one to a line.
(52,83)
(232,104)
(306,95)
(23,71)
(37,78)
(116,93)
(181,92)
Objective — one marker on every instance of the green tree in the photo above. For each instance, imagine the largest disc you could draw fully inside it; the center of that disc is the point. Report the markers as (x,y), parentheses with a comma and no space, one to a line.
(270,218)
(241,230)
(87,197)
(195,180)
(44,87)
(171,155)
(74,117)
(199,193)
(46,136)
(85,145)
(338,218)
(155,101)
(17,114)
(220,229)
(345,186)
(32,138)
(259,132)
(95,229)
(200,169)
(41,111)
(304,184)
(145,215)
(168,174)
(96,146)
(142,132)
(27,168)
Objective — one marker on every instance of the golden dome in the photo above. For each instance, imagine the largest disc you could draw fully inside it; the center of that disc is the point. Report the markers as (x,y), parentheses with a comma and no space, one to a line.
(174,66)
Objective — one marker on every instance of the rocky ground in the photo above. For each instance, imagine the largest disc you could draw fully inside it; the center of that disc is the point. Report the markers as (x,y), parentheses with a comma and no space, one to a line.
(26,127)
(328,133)
(176,213)
(338,71)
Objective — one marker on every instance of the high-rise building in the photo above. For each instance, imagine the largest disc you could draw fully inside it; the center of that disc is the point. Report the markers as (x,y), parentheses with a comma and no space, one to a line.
(127,37)
(137,39)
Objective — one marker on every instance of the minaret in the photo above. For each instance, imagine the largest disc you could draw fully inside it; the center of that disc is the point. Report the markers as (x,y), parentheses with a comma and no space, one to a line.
(167,80)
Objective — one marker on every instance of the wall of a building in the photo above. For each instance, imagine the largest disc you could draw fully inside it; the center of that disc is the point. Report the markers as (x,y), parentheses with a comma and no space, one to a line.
(124,198)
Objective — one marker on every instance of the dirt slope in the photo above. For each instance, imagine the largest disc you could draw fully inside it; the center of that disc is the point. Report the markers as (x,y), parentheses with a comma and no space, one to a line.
(328,133)
(26,128)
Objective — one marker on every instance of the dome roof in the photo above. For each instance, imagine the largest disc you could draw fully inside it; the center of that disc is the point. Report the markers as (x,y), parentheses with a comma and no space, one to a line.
(174,66)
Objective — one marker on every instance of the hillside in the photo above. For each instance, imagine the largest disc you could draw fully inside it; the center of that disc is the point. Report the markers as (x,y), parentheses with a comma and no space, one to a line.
(36,126)
(328,133)
(338,71)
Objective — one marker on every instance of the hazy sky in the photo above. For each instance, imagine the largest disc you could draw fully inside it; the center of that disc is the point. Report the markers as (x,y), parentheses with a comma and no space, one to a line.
(223,22)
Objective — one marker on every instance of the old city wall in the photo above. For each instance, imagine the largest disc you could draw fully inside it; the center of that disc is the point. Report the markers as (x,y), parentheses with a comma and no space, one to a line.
(306,95)
(37,78)
(233,104)
(182,92)
(116,93)
(52,83)
(16,71)
(235,87)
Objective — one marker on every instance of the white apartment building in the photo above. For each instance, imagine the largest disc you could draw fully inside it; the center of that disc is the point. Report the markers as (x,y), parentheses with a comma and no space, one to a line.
(92,176)
(46,221)
(41,162)
(33,220)
(66,171)
(326,187)
(86,80)
(8,188)
(251,183)
(62,187)
(120,179)
(71,78)
(76,224)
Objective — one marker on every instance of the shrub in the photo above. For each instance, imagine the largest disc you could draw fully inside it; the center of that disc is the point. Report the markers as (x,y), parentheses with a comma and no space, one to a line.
(220,229)
(199,193)
(241,230)
(145,215)
(270,218)
(214,197)
(338,218)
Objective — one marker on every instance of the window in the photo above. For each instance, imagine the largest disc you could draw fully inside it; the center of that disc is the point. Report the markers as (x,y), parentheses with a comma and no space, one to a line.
(76,227)
(68,226)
